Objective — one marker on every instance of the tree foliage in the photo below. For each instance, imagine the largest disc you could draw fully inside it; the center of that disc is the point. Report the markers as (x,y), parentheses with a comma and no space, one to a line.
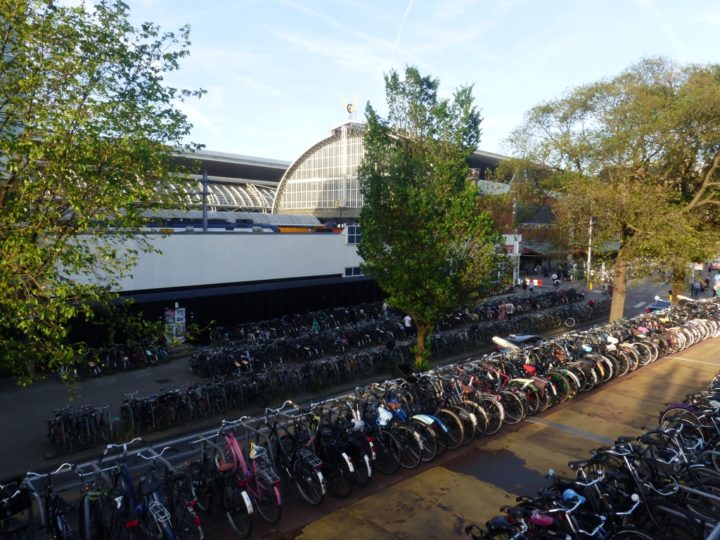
(640,155)
(88,128)
(424,238)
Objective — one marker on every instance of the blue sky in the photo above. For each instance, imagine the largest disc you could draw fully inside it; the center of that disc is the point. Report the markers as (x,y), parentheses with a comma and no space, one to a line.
(278,72)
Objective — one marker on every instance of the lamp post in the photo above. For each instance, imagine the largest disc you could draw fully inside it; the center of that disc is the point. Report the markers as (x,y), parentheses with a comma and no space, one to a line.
(589,257)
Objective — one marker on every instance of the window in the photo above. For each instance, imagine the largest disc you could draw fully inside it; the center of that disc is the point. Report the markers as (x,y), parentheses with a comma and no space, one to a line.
(353,271)
(354,234)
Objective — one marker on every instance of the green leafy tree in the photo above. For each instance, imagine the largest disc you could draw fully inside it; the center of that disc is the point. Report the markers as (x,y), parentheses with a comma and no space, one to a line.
(88,129)
(639,154)
(424,237)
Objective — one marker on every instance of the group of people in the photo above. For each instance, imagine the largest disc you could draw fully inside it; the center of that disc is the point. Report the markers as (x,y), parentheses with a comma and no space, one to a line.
(698,286)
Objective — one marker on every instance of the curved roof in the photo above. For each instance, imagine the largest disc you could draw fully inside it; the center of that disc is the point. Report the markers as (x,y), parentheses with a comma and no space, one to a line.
(323,181)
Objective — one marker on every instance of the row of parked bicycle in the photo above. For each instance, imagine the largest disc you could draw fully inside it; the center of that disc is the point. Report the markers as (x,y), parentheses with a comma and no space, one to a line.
(242,358)
(664,483)
(301,324)
(239,388)
(248,467)
(129,356)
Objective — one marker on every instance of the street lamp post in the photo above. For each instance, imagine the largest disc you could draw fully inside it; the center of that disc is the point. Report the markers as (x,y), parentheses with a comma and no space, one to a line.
(589,257)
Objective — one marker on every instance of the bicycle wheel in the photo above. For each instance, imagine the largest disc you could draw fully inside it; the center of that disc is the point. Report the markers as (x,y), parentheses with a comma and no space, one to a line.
(469,423)
(362,468)
(411,448)
(631,533)
(387,452)
(267,500)
(561,384)
(238,508)
(185,522)
(455,430)
(338,476)
(481,416)
(151,527)
(513,407)
(428,440)
(309,481)
(706,480)
(93,518)
(201,487)
(495,414)
(570,322)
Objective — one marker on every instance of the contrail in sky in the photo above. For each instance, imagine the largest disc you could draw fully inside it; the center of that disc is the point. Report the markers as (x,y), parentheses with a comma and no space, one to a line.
(401,28)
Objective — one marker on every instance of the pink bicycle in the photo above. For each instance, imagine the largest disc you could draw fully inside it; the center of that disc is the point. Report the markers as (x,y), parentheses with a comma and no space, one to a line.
(254,474)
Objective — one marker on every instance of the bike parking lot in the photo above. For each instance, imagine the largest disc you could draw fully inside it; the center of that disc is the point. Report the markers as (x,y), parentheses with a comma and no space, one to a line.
(456,437)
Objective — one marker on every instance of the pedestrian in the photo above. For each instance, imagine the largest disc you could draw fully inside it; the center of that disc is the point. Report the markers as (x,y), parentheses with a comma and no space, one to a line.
(525,285)
(695,292)
(705,284)
(385,310)
(509,310)
(408,325)
(315,326)
(502,314)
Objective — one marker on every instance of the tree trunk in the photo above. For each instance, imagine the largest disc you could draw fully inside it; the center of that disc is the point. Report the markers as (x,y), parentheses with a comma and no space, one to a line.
(421,353)
(617,307)
(678,283)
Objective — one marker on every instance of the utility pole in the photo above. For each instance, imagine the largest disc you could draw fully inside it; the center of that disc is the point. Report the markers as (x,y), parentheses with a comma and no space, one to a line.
(589,258)
(204,200)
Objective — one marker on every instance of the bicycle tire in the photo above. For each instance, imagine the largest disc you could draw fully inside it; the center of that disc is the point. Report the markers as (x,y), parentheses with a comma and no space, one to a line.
(455,429)
(481,416)
(309,481)
(495,414)
(387,452)
(513,407)
(706,480)
(411,446)
(185,523)
(267,501)
(428,440)
(238,508)
(338,476)
(93,519)
(201,487)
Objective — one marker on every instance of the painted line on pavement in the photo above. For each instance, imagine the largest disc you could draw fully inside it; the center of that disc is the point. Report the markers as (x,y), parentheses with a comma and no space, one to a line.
(639,304)
(714,364)
(571,430)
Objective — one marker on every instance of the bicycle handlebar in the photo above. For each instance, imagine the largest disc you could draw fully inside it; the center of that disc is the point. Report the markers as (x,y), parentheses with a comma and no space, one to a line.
(62,468)
(636,500)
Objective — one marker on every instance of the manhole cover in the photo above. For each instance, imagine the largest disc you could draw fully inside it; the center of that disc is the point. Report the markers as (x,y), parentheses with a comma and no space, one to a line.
(163,381)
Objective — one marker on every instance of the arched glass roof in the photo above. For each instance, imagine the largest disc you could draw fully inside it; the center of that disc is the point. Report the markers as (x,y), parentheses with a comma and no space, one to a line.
(229,196)
(323,181)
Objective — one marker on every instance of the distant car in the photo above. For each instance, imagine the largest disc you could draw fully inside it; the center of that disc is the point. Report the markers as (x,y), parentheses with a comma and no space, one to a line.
(657,305)
(517,340)
(715,265)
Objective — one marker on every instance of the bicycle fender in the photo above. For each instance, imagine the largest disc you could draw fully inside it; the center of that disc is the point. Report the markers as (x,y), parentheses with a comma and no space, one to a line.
(247,501)
(348,462)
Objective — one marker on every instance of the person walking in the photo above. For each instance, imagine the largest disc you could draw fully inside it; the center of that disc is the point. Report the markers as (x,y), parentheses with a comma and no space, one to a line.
(408,325)
(695,291)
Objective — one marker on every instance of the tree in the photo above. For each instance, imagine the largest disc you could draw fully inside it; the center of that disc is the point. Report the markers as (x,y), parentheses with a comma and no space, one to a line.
(424,238)
(88,130)
(638,154)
